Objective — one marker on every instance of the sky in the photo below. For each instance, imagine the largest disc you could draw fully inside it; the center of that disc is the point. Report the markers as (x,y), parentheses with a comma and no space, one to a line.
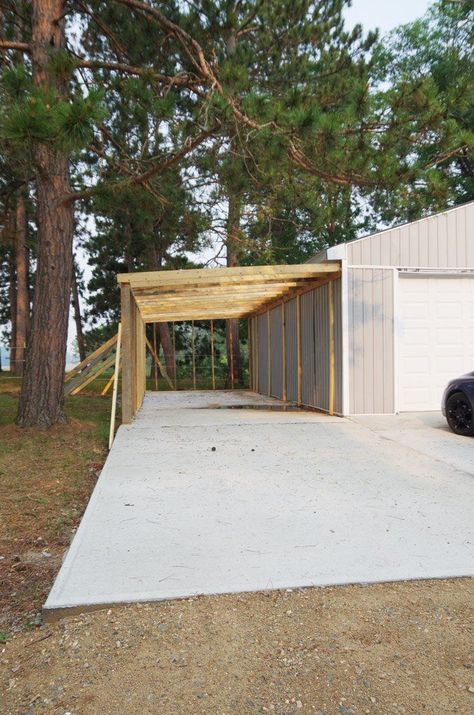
(371,14)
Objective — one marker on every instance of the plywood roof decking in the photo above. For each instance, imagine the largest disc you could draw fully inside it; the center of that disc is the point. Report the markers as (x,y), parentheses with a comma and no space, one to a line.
(213,293)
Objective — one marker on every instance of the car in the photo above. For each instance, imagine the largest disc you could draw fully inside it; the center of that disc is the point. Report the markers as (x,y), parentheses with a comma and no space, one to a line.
(458,404)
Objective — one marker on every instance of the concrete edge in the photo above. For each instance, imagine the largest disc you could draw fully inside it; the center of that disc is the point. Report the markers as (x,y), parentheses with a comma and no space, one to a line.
(52,614)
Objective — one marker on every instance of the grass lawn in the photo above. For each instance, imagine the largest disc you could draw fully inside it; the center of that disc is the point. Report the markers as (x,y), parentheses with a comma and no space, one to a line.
(46,478)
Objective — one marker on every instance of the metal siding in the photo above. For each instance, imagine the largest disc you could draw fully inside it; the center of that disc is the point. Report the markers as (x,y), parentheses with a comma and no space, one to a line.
(307,348)
(315,352)
(276,347)
(337,293)
(262,353)
(371,336)
(291,337)
(441,241)
(321,347)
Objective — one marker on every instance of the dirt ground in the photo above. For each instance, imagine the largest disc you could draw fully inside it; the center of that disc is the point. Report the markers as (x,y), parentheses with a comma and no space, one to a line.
(387,648)
(46,478)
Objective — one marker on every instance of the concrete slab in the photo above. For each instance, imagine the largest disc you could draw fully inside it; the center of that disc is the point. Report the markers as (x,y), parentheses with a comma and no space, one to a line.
(195,501)
(426,433)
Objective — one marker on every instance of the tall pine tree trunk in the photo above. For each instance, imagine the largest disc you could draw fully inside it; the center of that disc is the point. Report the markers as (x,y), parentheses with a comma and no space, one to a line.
(22,298)
(232,325)
(167,345)
(12,300)
(81,345)
(42,395)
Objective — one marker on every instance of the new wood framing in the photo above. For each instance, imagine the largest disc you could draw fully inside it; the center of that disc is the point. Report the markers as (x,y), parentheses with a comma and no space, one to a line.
(199,294)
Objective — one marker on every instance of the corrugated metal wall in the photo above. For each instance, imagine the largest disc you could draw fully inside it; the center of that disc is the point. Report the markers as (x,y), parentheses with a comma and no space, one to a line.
(291,342)
(371,336)
(441,241)
(315,348)
(262,354)
(276,343)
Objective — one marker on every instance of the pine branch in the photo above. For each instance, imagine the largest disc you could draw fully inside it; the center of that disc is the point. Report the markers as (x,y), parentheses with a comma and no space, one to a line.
(13,45)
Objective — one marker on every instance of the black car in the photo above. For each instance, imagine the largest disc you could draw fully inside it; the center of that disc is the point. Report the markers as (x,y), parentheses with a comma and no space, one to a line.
(458,404)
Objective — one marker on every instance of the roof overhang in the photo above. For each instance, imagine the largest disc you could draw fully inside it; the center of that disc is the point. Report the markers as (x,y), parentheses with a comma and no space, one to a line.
(213,293)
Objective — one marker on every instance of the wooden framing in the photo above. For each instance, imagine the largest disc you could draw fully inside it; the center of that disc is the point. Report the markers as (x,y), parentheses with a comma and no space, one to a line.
(114,393)
(298,348)
(92,359)
(332,351)
(213,369)
(283,348)
(206,294)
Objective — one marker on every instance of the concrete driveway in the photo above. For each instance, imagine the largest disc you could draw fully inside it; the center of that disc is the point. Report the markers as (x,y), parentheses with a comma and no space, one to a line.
(195,500)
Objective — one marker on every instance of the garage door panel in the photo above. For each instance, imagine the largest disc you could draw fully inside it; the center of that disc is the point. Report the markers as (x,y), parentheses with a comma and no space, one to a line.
(435,337)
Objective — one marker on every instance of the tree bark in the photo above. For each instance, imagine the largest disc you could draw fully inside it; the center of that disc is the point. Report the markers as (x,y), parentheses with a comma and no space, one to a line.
(167,345)
(42,395)
(81,345)
(232,325)
(12,299)
(22,297)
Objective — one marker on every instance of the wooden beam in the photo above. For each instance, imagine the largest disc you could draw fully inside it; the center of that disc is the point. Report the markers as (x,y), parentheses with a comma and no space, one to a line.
(283,333)
(289,295)
(94,357)
(298,349)
(213,373)
(257,378)
(193,354)
(114,393)
(332,360)
(102,368)
(250,351)
(127,356)
(223,275)
(107,387)
(269,355)
(217,289)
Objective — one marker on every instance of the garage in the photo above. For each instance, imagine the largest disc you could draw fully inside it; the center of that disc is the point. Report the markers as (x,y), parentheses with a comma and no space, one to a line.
(436,337)
(404,316)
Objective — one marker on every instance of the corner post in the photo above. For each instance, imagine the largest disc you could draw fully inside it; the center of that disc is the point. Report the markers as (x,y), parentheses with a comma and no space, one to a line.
(127,354)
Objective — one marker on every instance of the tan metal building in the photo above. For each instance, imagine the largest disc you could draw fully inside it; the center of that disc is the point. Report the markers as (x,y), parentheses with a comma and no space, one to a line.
(400,319)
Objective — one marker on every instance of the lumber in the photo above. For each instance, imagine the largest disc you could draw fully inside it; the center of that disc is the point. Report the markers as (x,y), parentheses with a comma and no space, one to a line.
(224,275)
(332,360)
(93,357)
(102,368)
(127,358)
(114,393)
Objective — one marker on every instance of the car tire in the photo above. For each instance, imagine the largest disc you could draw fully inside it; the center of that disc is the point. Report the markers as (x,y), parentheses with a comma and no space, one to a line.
(460,415)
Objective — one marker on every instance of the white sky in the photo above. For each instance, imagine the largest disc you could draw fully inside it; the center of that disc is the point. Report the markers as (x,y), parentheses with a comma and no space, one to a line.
(371,14)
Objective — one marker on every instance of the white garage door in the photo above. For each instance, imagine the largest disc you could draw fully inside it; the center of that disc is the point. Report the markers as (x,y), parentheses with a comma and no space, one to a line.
(435,337)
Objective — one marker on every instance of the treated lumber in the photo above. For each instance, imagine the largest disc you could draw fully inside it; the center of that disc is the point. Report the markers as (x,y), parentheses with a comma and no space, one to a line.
(107,387)
(269,354)
(216,289)
(212,357)
(224,275)
(332,360)
(102,368)
(127,358)
(94,357)
(298,349)
(115,379)
(283,340)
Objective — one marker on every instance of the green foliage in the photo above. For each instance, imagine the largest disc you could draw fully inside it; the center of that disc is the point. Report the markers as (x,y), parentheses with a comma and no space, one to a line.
(42,116)
(429,66)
